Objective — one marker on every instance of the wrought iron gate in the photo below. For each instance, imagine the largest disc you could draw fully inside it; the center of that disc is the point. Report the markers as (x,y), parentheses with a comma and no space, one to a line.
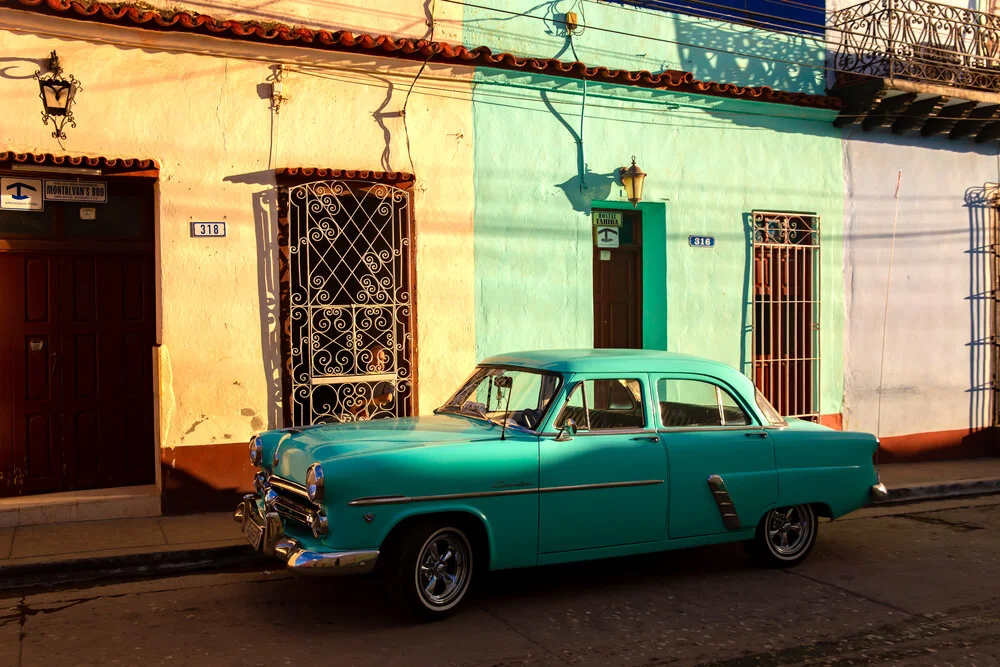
(786,312)
(350,304)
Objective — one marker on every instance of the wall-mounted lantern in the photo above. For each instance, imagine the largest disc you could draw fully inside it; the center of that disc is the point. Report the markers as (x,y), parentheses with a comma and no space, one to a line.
(58,95)
(632,180)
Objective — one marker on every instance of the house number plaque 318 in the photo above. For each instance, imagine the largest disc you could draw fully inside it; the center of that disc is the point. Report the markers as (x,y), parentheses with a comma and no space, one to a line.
(208,229)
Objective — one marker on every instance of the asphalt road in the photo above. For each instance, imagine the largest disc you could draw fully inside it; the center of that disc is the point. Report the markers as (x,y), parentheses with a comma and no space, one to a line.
(918,587)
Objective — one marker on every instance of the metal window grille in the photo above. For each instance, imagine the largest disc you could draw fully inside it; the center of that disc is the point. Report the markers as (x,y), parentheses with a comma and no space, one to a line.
(349,302)
(786,311)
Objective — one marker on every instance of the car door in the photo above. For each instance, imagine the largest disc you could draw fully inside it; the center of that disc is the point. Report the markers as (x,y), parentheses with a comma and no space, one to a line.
(721,462)
(606,485)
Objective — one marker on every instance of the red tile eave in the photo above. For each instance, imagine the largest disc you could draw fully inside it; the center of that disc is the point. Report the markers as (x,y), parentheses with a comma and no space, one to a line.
(107,165)
(410,49)
(293,175)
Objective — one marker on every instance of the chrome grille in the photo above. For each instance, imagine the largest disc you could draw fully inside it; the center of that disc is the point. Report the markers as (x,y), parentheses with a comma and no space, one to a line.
(289,500)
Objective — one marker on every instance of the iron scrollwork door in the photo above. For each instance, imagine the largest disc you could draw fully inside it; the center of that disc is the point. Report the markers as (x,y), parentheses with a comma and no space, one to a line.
(350,304)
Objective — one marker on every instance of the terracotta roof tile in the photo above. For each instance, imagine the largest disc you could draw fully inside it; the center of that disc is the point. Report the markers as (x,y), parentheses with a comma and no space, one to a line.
(287,175)
(412,49)
(106,164)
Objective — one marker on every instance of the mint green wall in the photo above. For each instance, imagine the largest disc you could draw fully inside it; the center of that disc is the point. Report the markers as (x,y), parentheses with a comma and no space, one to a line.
(617,36)
(710,162)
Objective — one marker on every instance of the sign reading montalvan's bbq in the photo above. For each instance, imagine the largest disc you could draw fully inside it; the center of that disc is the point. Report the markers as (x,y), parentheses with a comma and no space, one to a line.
(87,191)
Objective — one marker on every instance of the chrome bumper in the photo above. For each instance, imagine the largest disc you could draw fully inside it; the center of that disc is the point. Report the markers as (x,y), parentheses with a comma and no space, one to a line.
(275,543)
(878,492)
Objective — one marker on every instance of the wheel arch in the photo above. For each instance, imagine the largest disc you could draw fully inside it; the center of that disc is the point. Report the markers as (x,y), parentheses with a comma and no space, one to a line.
(473,522)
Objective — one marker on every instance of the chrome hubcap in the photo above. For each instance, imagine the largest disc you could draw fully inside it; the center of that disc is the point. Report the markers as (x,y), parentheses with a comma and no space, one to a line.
(443,568)
(789,530)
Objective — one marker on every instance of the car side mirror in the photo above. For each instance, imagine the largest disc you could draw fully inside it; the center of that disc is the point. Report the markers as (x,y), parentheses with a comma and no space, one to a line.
(567,432)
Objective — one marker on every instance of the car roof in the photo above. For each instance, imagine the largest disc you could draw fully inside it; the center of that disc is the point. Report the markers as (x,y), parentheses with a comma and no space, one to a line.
(616,361)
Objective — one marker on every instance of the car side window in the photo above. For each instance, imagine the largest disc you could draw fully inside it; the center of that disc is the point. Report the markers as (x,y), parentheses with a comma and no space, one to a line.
(694,403)
(604,405)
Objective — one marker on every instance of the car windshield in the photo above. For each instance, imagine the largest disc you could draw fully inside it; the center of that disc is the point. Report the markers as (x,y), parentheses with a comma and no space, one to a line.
(770,413)
(498,394)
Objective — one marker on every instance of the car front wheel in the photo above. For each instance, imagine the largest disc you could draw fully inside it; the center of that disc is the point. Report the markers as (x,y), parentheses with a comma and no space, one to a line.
(784,536)
(429,571)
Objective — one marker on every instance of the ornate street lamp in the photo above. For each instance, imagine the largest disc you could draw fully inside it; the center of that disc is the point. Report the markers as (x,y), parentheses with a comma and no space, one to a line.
(632,179)
(58,95)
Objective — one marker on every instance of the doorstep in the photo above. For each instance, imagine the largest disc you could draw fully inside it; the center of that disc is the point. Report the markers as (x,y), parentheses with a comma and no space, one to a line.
(91,505)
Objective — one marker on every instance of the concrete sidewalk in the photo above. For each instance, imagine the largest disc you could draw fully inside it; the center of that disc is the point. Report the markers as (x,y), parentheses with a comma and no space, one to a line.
(911,482)
(65,552)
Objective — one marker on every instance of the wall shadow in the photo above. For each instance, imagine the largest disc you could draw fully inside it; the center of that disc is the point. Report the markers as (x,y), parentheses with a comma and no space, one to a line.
(265,213)
(982,206)
(746,324)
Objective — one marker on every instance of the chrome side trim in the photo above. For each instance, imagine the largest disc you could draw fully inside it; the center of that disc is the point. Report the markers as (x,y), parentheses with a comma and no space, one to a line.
(730,518)
(391,500)
(684,429)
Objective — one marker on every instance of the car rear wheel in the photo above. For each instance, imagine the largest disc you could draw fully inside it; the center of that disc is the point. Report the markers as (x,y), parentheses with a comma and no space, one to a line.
(784,537)
(429,570)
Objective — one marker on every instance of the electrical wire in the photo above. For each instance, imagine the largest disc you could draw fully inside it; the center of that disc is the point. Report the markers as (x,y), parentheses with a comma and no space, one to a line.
(815,66)
(263,58)
(885,310)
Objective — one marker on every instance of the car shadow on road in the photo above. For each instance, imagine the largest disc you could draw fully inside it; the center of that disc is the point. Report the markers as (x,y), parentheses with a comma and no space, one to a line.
(303,602)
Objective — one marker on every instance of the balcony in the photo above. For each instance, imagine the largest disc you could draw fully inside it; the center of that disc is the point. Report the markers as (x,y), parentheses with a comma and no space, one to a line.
(912,65)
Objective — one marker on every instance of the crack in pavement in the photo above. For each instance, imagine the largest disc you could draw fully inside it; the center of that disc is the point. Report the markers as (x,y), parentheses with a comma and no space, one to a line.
(842,589)
(960,526)
(510,627)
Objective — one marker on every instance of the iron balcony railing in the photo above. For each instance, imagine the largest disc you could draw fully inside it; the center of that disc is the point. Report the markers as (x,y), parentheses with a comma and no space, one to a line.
(921,41)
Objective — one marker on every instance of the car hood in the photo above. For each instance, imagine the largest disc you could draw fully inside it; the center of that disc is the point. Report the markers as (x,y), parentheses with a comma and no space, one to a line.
(300,447)
(796,424)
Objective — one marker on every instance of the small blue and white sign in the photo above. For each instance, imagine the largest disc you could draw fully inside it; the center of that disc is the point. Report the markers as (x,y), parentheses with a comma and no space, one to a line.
(21,194)
(701,241)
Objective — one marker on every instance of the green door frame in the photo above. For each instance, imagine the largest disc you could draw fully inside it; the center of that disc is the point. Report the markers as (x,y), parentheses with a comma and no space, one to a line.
(654,269)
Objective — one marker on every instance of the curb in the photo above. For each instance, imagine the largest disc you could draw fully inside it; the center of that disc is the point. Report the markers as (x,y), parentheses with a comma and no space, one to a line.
(129,565)
(940,491)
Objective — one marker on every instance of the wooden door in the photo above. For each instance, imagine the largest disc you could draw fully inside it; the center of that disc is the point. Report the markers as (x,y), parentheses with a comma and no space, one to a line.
(106,331)
(77,324)
(30,387)
(618,288)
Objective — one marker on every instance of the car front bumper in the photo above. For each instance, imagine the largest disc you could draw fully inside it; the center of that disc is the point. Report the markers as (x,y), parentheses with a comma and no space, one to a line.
(272,541)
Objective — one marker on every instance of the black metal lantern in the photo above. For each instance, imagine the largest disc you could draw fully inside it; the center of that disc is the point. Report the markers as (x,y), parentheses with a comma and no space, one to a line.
(632,180)
(58,95)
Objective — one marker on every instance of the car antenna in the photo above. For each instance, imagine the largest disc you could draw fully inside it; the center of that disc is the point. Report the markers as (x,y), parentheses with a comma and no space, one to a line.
(508,384)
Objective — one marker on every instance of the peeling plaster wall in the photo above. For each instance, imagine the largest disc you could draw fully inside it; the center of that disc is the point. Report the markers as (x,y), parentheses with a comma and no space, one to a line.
(205,117)
(936,360)
(710,162)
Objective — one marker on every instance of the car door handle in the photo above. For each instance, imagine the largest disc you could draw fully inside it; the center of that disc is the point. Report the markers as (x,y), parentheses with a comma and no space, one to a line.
(650,438)
(756,434)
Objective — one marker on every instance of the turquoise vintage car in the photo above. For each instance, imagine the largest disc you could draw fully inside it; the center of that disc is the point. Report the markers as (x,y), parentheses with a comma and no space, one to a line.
(551,457)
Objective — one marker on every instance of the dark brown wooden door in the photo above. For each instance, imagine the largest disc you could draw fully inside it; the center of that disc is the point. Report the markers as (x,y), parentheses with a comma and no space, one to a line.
(30,388)
(618,288)
(77,325)
(76,396)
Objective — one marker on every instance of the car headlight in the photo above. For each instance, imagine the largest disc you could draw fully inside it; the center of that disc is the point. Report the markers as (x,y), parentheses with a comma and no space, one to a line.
(256,450)
(315,483)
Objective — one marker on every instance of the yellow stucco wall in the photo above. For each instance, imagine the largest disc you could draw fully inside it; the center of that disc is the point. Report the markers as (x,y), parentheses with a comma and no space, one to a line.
(204,117)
